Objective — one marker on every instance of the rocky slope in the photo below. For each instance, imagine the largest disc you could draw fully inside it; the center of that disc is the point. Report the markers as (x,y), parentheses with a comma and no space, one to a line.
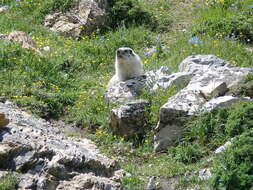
(42,157)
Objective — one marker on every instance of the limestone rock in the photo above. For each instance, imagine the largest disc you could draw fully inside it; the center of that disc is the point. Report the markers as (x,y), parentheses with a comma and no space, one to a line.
(205,174)
(126,90)
(88,181)
(129,120)
(212,77)
(4,8)
(201,63)
(3,120)
(45,158)
(85,17)
(152,80)
(220,102)
(223,148)
(24,39)
(176,80)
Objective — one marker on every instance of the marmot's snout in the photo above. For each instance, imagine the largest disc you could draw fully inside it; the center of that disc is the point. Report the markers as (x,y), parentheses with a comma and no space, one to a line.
(124,52)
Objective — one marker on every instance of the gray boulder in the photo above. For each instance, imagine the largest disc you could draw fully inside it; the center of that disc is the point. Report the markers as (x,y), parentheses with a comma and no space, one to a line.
(220,102)
(45,158)
(129,120)
(126,90)
(152,81)
(85,17)
(201,63)
(212,77)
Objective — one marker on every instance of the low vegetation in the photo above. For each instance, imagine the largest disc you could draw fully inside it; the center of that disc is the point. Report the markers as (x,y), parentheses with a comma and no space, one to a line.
(8,182)
(69,82)
(233,170)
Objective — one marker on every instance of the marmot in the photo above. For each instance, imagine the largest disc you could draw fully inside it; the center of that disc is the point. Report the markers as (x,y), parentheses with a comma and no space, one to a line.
(127,65)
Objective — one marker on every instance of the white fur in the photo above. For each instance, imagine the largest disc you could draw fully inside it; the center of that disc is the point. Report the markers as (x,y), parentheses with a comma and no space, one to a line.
(127,67)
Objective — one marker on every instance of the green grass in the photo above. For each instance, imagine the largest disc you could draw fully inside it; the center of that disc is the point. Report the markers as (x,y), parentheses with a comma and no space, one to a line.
(8,182)
(233,170)
(69,82)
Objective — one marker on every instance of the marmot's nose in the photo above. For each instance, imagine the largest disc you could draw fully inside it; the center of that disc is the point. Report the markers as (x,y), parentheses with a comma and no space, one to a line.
(119,53)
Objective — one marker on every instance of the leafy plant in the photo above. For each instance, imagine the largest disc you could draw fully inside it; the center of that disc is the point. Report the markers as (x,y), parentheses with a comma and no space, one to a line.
(127,12)
(187,152)
(234,168)
(8,182)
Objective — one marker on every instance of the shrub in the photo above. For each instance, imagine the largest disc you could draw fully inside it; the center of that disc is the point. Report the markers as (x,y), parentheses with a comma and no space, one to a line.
(240,119)
(8,182)
(37,9)
(234,168)
(127,12)
(187,152)
(214,128)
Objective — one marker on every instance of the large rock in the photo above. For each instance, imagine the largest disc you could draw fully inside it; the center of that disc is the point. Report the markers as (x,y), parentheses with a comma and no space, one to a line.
(176,80)
(130,120)
(25,40)
(85,17)
(126,90)
(201,63)
(152,81)
(212,77)
(44,158)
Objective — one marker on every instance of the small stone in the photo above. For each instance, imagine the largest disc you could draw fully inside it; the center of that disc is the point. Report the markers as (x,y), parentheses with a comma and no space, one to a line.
(205,174)
(223,148)
(3,120)
(46,48)
(25,40)
(4,8)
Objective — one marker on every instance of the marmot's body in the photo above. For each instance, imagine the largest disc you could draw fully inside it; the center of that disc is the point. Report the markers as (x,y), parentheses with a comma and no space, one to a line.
(127,65)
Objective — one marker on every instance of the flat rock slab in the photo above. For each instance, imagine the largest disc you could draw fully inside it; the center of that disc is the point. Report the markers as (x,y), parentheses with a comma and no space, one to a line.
(45,158)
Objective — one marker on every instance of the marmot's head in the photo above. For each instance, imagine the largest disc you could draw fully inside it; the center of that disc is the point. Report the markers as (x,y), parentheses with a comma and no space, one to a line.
(125,53)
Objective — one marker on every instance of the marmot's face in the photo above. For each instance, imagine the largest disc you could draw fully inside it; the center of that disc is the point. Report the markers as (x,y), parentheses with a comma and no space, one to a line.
(124,53)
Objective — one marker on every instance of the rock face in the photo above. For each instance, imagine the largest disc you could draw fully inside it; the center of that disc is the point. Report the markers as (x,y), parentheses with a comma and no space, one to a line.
(85,17)
(44,158)
(129,120)
(24,39)
(211,77)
